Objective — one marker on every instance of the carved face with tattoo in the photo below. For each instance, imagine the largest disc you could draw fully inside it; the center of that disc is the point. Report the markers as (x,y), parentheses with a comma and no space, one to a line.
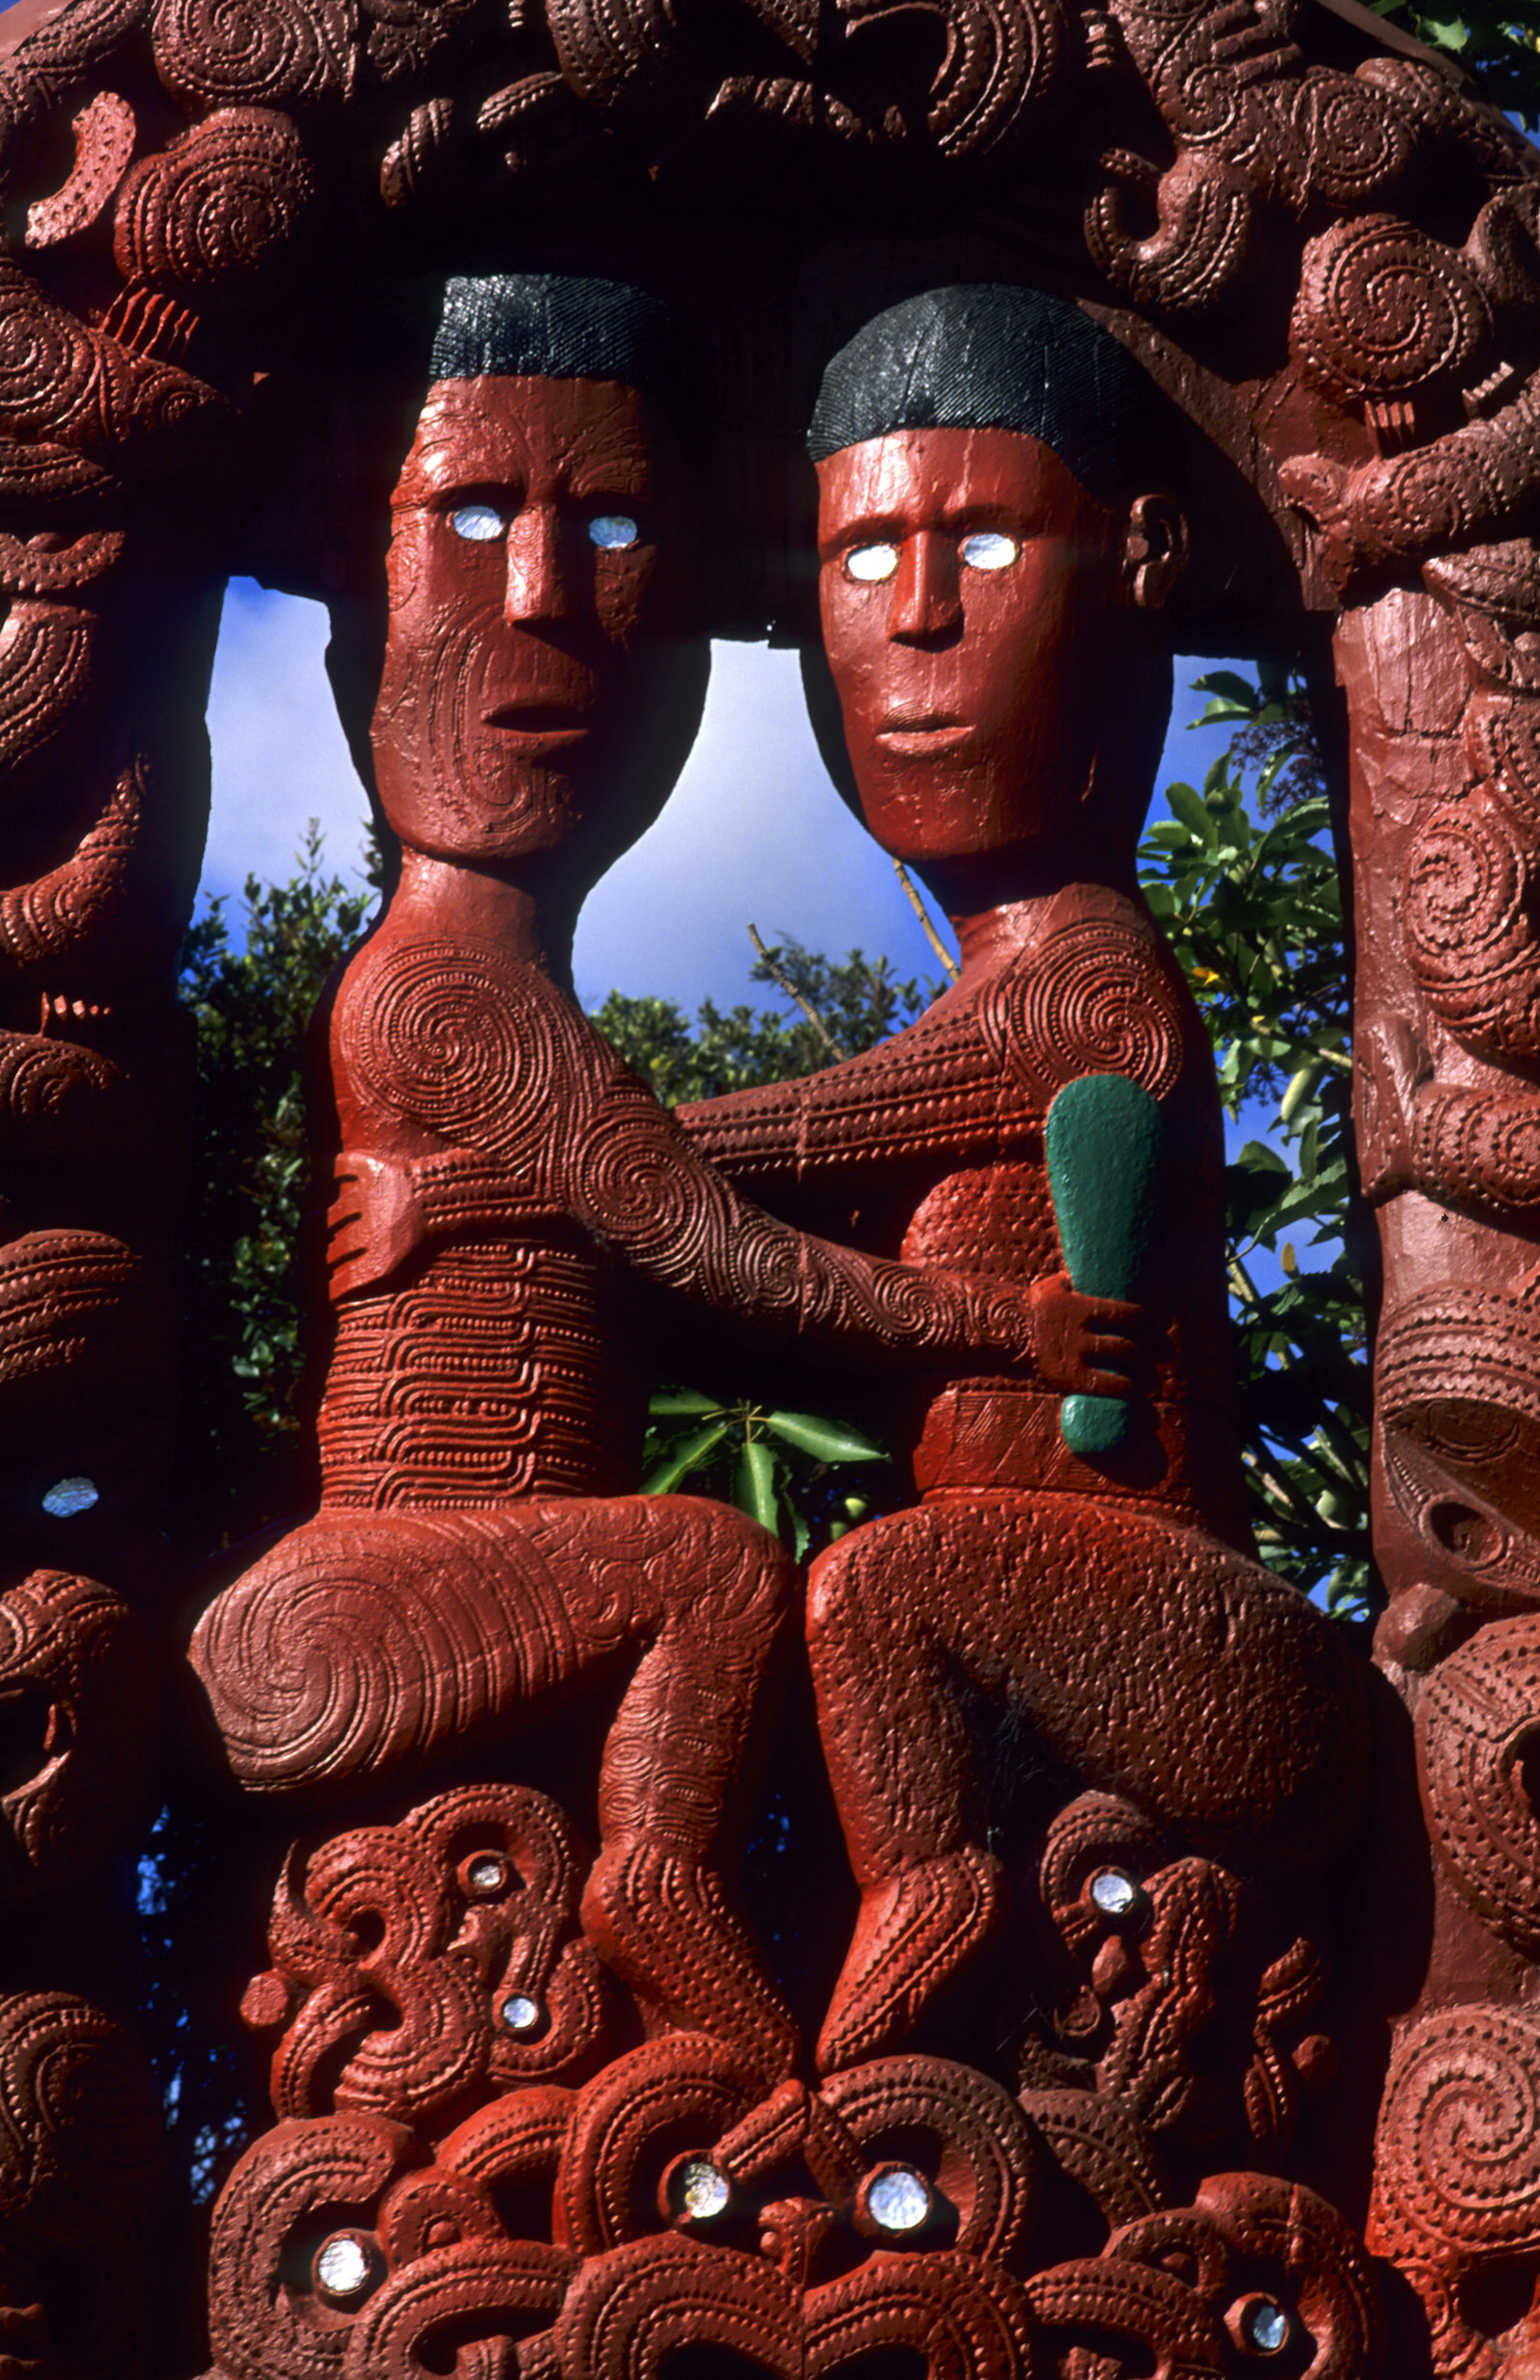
(982,569)
(540,690)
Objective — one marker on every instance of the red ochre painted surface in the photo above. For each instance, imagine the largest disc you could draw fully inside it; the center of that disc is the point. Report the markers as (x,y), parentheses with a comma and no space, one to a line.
(1174,2007)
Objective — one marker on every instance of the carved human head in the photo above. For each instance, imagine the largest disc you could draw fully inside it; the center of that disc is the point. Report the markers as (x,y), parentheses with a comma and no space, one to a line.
(541,685)
(991,532)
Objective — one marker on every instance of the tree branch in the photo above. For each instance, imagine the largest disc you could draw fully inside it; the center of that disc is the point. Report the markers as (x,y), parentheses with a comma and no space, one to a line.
(783,984)
(923,913)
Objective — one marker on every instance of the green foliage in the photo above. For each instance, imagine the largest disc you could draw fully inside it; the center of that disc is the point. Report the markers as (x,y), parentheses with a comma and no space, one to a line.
(1496,41)
(1254,913)
(860,1002)
(776,1466)
(243,1247)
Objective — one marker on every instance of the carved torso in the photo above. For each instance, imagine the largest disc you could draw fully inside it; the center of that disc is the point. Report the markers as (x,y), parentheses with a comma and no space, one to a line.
(496,1355)
(931,1149)
(508,1189)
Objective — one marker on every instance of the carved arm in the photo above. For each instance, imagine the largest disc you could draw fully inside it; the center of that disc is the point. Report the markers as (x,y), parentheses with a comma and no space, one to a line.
(933,1090)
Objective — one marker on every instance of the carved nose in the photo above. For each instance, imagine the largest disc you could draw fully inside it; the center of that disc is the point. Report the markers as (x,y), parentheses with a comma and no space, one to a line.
(539,577)
(925,600)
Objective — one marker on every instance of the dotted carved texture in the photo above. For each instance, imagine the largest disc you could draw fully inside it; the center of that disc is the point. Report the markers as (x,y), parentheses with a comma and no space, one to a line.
(213,54)
(218,208)
(1470,932)
(1383,309)
(1478,1747)
(1049,1596)
(1097,1000)
(1457,2155)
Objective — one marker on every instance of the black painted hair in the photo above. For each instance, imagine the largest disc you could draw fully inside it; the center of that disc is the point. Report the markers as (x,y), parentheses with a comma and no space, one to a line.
(552,326)
(988,355)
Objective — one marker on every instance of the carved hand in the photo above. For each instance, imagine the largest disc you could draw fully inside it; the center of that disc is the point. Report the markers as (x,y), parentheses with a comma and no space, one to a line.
(1082,1346)
(374,1220)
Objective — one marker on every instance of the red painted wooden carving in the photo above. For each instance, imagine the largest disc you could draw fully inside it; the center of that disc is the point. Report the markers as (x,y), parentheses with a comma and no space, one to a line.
(1173,2007)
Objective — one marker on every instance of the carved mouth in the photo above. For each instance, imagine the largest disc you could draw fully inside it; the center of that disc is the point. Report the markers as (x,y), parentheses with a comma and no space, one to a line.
(549,726)
(924,735)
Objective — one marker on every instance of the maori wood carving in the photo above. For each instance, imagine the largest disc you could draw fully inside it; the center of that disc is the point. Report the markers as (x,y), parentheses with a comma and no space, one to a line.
(1178,2016)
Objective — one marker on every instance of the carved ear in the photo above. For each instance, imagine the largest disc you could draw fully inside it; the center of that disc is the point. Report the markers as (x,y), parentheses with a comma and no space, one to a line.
(1154,553)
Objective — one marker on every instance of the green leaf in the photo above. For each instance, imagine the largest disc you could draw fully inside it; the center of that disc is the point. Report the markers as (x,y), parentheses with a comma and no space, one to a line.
(830,1441)
(1299,1091)
(690,1456)
(1257,1157)
(1229,683)
(754,1485)
(1187,805)
(682,1400)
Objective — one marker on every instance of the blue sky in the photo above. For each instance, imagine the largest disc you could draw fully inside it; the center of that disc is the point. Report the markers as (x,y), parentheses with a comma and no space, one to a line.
(754,833)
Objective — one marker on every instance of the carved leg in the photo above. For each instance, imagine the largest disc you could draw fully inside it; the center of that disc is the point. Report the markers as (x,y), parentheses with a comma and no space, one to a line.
(362,1647)
(1150,1658)
(718,1594)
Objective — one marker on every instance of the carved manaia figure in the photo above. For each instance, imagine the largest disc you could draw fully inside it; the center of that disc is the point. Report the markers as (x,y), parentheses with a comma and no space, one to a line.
(991,555)
(512,1196)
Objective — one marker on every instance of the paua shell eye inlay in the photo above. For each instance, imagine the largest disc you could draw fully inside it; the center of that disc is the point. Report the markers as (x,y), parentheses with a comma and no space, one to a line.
(870,562)
(476,523)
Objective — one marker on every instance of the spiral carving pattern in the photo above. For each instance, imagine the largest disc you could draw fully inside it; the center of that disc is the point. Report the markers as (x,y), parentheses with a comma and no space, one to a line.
(1502,742)
(49,364)
(1478,1749)
(320,1672)
(1002,59)
(644,1188)
(1358,140)
(75,385)
(1457,2155)
(49,688)
(337,2167)
(1384,309)
(432,1032)
(219,210)
(89,1660)
(1466,882)
(417,1888)
(215,53)
(1094,999)
(407,36)
(1468,931)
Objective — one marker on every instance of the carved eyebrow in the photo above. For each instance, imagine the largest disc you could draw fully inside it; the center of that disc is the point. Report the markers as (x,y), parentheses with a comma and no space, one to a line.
(441,467)
(952,519)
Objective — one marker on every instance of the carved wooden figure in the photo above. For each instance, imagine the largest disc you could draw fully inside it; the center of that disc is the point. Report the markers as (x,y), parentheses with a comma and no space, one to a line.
(508,1189)
(991,547)
(1327,253)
